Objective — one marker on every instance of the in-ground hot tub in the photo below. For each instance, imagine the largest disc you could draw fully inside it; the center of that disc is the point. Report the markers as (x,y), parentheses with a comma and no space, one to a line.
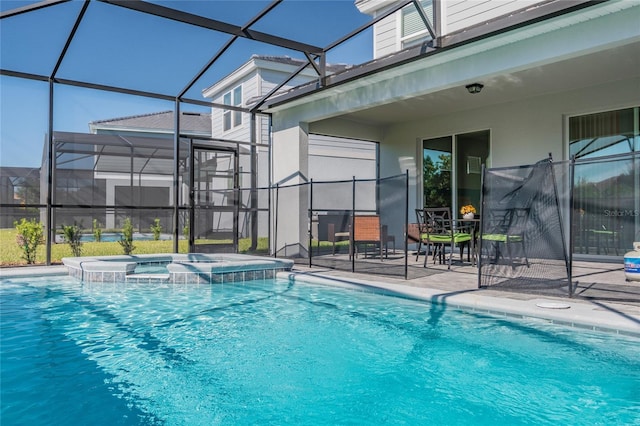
(175,268)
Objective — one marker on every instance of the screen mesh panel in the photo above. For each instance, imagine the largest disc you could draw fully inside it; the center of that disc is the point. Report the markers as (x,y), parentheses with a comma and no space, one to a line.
(522,242)
(375,209)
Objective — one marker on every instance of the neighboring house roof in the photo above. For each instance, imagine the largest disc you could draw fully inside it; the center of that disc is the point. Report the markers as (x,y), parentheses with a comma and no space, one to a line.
(157,122)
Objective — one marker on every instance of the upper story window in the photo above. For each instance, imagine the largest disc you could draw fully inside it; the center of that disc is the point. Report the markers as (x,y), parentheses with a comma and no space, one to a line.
(412,28)
(230,118)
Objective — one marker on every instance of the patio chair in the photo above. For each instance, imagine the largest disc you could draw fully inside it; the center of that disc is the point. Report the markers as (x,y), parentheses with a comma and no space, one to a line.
(414,236)
(368,231)
(334,227)
(333,236)
(417,232)
(502,230)
(442,231)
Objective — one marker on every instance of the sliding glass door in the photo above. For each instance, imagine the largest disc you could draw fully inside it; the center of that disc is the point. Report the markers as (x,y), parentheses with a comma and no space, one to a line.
(606,181)
(436,171)
(452,168)
(472,151)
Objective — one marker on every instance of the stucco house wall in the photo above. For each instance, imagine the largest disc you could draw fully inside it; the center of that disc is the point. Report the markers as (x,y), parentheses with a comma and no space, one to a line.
(522,132)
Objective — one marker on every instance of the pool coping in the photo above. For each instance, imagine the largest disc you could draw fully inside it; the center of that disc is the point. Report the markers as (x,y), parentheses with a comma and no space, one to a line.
(182,268)
(567,312)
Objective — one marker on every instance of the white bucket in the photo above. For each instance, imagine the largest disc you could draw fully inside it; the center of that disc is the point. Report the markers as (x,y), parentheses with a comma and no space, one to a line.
(632,263)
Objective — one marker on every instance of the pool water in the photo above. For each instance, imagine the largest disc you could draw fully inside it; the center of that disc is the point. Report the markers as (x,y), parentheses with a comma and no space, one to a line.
(273,352)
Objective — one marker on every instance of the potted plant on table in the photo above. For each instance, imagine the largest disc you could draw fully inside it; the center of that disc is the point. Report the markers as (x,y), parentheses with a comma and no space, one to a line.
(468,211)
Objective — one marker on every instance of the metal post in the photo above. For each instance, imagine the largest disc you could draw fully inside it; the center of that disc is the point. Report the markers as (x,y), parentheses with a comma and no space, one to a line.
(406,225)
(192,197)
(310,242)
(253,195)
(275,226)
(437,22)
(635,159)
(49,212)
(572,164)
(237,194)
(352,248)
(270,174)
(176,175)
(483,211)
(567,256)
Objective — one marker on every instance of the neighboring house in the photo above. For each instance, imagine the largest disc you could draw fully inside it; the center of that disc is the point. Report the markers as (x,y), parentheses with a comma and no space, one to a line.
(543,77)
(256,78)
(18,186)
(124,161)
(329,158)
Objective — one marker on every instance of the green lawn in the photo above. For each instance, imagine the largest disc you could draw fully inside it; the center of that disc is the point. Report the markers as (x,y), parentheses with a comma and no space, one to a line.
(11,255)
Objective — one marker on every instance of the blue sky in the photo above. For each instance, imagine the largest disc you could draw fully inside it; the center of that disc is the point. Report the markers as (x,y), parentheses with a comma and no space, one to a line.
(115,46)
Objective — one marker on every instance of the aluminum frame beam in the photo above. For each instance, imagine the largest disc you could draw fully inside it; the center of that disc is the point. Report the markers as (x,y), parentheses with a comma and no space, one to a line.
(212,24)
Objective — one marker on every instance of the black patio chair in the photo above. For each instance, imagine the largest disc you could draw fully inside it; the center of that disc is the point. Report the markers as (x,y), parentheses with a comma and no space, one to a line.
(441,230)
(504,229)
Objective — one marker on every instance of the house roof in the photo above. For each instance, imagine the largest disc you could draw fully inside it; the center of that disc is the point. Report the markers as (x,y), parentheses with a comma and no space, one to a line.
(297,62)
(284,64)
(190,122)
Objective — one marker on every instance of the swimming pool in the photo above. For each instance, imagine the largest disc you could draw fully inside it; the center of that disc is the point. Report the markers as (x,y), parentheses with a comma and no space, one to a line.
(275,352)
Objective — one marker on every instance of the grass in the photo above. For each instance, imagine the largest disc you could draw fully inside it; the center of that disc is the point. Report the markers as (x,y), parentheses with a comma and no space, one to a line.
(11,255)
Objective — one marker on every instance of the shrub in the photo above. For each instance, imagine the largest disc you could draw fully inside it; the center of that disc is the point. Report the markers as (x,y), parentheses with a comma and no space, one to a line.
(156,228)
(97,231)
(72,234)
(30,235)
(185,229)
(126,241)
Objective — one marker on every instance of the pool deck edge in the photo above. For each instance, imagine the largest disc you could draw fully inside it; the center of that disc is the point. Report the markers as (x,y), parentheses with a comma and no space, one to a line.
(579,314)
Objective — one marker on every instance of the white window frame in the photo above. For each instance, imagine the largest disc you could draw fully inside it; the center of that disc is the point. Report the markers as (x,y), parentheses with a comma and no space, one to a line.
(405,41)
(231,118)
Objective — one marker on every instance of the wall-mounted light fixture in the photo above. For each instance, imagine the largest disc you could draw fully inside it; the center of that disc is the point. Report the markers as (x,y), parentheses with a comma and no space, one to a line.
(474,88)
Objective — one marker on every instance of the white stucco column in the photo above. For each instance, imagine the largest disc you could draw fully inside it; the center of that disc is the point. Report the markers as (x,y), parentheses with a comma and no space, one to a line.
(290,149)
